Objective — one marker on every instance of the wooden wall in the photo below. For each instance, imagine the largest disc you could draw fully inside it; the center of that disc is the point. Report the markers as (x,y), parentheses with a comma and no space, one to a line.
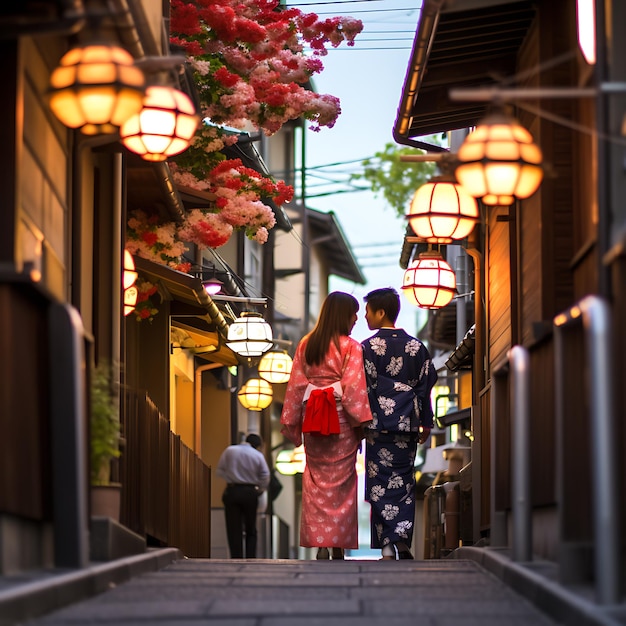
(498,285)
(25,455)
(166,488)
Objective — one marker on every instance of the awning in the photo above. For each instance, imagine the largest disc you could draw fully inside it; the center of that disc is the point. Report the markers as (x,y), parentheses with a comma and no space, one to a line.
(462,44)
(197,337)
(326,233)
(41,17)
(192,309)
(150,186)
(455,417)
(462,356)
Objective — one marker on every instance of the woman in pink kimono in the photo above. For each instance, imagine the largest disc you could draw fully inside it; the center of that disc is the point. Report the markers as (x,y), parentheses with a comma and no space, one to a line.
(326,403)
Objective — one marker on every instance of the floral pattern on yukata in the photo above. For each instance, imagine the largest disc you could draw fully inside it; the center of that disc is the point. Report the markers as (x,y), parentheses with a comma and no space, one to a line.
(389,484)
(390,511)
(403,529)
(396,363)
(385,457)
(388,405)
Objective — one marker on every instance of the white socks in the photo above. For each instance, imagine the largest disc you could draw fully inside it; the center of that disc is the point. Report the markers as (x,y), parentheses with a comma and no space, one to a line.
(388,550)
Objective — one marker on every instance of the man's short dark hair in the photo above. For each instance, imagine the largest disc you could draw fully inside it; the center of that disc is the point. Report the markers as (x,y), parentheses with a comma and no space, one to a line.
(385,298)
(254,440)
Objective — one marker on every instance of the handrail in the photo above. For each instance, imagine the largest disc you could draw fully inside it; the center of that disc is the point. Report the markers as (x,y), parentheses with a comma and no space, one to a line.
(68,420)
(594,314)
(519,362)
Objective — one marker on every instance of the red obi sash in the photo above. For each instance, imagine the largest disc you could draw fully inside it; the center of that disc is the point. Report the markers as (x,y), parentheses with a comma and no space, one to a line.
(321,417)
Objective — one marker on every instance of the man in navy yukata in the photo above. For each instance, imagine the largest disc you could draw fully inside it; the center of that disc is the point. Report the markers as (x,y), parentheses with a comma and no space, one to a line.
(400,377)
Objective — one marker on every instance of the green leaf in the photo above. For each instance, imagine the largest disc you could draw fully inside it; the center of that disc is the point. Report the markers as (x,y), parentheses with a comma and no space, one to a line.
(396,180)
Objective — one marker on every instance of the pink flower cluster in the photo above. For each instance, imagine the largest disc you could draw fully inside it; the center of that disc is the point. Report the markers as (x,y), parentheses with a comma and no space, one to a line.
(250,62)
(234,175)
(238,190)
(148,237)
(205,229)
(250,67)
(145,309)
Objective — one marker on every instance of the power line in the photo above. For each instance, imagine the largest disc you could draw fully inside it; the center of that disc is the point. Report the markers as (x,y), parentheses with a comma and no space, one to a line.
(377,244)
(357,49)
(402,9)
(311,4)
(315,167)
(383,40)
(385,32)
(335,193)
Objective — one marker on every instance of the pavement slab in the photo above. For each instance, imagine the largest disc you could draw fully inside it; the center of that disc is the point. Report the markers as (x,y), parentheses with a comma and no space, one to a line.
(194,592)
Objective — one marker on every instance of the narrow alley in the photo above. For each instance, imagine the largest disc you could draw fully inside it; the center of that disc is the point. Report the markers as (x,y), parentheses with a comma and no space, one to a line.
(307,593)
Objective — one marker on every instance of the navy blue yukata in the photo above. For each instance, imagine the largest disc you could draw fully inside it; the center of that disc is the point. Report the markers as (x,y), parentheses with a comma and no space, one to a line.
(400,377)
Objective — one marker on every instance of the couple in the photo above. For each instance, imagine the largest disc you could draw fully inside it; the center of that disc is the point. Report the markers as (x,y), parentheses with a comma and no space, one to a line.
(341,391)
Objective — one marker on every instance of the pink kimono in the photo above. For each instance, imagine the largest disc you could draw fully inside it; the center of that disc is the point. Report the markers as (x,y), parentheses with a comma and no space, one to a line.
(329,483)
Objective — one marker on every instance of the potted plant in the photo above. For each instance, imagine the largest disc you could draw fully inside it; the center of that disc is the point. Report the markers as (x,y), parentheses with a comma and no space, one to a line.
(104,442)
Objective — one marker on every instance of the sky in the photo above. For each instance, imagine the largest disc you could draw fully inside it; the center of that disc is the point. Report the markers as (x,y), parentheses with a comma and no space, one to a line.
(368,79)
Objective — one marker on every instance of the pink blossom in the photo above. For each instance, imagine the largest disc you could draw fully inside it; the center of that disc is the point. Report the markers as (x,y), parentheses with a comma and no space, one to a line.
(246,39)
(157,242)
(261,235)
(186,179)
(207,230)
(251,70)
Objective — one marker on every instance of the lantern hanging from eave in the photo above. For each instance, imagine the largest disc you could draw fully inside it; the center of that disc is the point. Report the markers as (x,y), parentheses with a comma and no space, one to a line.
(96,88)
(429,282)
(275,366)
(213,286)
(163,127)
(499,162)
(250,335)
(256,394)
(442,211)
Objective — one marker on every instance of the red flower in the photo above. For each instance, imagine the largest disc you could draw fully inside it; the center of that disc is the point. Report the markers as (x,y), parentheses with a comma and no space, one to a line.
(149,238)
(226,78)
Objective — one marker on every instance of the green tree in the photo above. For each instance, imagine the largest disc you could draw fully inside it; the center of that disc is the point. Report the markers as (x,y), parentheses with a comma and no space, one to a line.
(395,179)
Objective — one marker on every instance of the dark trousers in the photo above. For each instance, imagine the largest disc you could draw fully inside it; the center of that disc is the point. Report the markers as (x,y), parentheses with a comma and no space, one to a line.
(240,504)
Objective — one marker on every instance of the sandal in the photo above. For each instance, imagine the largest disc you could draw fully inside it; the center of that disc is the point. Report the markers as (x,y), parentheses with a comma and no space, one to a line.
(403,551)
(322,554)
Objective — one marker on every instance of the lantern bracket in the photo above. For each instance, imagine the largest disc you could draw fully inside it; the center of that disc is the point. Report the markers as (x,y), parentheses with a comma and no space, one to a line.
(242,299)
(163,70)
(498,94)
(445,160)
(154,64)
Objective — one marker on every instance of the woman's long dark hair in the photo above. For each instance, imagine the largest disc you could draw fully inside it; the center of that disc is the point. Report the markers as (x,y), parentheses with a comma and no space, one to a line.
(334,320)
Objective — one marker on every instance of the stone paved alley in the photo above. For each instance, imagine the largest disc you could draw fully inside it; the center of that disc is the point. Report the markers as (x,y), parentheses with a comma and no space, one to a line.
(308,593)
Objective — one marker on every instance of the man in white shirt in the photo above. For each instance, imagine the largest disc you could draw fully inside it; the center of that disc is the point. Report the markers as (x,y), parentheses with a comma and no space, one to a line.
(244,468)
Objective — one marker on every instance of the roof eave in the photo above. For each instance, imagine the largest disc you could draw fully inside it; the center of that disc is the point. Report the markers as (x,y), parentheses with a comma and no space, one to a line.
(422,43)
(348,268)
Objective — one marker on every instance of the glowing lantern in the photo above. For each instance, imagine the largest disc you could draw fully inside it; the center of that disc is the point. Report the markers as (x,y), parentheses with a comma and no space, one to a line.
(256,394)
(163,127)
(499,162)
(96,88)
(429,282)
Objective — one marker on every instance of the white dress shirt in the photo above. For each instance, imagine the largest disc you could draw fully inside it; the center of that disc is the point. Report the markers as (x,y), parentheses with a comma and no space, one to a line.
(243,464)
